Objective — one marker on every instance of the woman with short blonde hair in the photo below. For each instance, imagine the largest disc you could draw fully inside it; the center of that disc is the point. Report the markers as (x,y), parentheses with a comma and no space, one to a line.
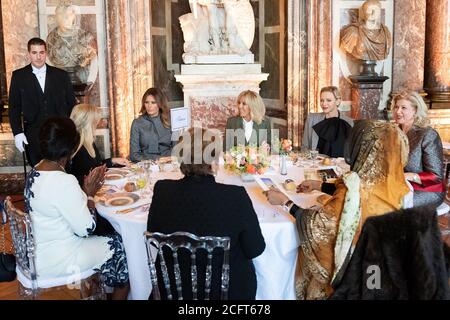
(425,168)
(251,126)
(328,130)
(256,104)
(417,102)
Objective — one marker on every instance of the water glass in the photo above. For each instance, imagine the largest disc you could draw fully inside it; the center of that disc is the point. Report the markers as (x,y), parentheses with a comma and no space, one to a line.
(314,153)
(141,180)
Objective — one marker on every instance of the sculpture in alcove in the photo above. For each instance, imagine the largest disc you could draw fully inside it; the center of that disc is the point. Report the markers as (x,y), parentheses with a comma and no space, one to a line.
(368,39)
(217,27)
(71,48)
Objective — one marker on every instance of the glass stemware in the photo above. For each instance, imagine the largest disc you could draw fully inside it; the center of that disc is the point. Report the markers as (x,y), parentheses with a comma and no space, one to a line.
(314,153)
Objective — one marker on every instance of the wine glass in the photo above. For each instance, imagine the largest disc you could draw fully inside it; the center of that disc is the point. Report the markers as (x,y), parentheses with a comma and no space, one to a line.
(314,153)
(141,181)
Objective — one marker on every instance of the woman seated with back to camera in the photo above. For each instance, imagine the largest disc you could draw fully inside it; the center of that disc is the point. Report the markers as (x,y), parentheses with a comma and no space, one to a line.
(199,205)
(376,184)
(64,215)
(86,118)
(327,131)
(251,127)
(151,136)
(425,168)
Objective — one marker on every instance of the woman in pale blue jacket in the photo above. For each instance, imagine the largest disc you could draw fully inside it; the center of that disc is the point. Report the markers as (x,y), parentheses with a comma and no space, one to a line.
(150,133)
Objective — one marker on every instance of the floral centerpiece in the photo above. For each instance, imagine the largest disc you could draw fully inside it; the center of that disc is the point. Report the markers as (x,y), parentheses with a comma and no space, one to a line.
(284,147)
(248,159)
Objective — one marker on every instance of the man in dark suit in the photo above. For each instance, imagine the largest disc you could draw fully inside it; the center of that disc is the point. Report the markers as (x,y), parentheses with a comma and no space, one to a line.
(37,91)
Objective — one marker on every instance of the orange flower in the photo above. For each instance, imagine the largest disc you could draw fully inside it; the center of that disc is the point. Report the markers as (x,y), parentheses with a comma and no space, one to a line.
(251,169)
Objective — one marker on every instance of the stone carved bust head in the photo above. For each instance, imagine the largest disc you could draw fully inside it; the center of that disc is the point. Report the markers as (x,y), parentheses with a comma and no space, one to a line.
(66,17)
(370,14)
(368,39)
(72,48)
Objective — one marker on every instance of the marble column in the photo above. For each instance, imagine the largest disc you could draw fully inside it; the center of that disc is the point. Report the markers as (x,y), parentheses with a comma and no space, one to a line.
(437,53)
(129,66)
(296,70)
(320,60)
(409,45)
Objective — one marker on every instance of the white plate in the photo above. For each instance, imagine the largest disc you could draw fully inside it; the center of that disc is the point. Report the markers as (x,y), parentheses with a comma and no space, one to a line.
(121,199)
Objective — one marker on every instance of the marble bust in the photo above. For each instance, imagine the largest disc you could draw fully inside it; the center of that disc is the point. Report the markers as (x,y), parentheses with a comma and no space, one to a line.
(72,48)
(218,27)
(368,39)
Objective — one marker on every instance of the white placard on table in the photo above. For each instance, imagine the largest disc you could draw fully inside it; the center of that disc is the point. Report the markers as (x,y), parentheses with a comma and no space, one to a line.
(180,118)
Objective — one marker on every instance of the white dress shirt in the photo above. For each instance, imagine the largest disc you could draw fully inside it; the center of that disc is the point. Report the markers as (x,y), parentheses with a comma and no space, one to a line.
(40,75)
(248,128)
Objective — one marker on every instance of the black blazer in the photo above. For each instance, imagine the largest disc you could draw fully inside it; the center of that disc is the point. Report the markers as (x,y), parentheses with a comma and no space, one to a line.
(82,163)
(201,206)
(26,96)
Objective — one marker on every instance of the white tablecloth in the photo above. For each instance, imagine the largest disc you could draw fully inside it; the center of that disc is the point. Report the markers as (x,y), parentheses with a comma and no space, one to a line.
(275,267)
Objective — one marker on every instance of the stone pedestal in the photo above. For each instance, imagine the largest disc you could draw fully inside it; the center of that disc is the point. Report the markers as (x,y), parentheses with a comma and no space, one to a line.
(81,92)
(218,58)
(210,90)
(366,96)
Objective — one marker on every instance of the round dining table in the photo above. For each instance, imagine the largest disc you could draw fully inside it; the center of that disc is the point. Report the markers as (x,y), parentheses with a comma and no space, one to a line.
(275,267)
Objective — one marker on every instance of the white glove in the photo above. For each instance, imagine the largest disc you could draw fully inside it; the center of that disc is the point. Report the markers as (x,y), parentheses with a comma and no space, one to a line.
(20,139)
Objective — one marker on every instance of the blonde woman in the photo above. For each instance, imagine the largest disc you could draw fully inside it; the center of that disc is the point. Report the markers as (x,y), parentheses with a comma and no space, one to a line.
(151,135)
(328,130)
(251,126)
(87,156)
(425,168)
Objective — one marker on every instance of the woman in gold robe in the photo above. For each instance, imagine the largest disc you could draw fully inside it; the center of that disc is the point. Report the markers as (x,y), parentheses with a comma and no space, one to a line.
(377,153)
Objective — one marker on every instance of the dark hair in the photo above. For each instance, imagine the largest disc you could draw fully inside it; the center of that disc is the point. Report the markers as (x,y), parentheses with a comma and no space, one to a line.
(58,138)
(190,167)
(161,100)
(36,42)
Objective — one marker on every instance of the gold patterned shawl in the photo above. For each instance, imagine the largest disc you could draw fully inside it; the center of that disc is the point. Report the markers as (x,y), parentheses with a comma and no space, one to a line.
(377,153)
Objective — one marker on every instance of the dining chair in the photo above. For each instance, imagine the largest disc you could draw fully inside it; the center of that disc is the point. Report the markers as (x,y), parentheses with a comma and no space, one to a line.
(31,285)
(179,258)
(398,256)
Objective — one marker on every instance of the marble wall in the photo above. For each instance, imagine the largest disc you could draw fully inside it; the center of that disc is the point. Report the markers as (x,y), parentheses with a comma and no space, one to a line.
(212,112)
(16,35)
(320,50)
(297,44)
(129,66)
(408,45)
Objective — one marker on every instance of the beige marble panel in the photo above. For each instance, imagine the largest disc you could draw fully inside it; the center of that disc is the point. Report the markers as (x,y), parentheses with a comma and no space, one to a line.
(120,75)
(129,66)
(20,24)
(320,62)
(296,70)
(408,45)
